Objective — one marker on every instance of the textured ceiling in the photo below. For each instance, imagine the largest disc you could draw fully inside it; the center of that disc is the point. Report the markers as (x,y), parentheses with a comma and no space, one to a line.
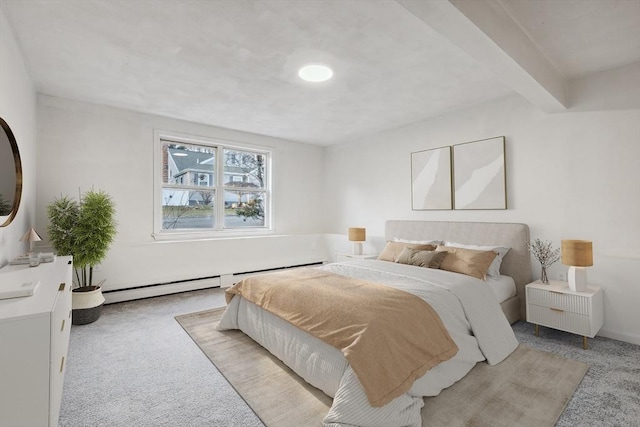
(233,64)
(582,36)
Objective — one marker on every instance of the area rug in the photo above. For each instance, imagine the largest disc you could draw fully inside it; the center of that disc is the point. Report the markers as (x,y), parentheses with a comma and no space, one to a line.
(530,388)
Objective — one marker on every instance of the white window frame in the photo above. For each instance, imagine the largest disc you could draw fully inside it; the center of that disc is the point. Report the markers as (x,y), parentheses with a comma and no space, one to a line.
(219,232)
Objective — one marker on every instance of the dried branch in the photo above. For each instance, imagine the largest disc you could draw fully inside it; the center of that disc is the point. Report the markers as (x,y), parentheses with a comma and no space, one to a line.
(543,251)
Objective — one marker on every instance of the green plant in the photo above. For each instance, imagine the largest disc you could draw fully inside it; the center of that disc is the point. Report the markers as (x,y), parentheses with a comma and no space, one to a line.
(83,229)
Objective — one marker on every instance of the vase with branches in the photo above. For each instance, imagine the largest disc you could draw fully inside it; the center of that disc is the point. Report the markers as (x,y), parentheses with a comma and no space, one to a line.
(545,254)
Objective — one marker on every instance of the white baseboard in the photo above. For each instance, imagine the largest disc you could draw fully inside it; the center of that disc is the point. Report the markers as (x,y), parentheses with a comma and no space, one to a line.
(228,280)
(224,281)
(630,338)
(158,290)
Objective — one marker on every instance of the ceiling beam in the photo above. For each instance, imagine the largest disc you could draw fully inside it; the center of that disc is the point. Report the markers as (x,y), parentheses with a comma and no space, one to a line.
(485,30)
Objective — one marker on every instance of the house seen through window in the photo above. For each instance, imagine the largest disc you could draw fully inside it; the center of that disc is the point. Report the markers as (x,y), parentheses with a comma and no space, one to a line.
(213,187)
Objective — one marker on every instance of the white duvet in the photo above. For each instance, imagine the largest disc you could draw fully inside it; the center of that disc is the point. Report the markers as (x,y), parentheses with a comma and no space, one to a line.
(467,307)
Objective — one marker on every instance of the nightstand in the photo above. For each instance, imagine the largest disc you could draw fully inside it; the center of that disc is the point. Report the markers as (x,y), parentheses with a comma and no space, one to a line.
(342,256)
(556,306)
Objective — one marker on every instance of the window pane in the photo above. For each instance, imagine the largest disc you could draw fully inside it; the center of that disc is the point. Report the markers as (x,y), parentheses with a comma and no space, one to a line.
(207,185)
(244,169)
(186,164)
(243,209)
(187,209)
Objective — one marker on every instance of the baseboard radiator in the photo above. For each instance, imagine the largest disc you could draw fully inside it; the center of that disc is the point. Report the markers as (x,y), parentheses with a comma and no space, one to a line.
(158,289)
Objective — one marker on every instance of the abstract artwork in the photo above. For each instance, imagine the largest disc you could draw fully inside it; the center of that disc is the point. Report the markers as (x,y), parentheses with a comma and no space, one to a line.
(479,174)
(431,179)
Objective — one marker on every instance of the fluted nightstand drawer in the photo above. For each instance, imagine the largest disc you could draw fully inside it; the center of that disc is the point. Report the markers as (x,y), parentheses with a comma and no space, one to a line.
(562,320)
(562,301)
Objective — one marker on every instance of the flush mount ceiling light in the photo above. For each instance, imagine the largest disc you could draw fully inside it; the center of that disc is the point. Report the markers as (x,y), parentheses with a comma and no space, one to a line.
(315,73)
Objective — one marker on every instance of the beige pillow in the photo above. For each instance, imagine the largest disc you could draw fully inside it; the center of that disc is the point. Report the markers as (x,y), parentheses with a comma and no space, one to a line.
(467,261)
(405,256)
(428,259)
(393,249)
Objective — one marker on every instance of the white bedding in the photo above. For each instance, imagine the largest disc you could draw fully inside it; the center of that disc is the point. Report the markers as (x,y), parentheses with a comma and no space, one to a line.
(503,287)
(469,311)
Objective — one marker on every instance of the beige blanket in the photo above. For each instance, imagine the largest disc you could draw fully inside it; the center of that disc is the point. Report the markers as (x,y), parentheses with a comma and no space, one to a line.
(389,337)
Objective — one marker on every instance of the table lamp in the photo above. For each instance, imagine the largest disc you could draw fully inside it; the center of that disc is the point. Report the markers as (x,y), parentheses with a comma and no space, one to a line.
(31,236)
(357,236)
(577,254)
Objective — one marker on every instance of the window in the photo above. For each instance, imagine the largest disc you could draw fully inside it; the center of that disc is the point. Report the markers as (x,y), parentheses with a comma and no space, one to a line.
(208,185)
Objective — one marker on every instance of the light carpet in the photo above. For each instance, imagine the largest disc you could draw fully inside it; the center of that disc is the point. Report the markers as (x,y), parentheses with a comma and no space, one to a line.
(530,388)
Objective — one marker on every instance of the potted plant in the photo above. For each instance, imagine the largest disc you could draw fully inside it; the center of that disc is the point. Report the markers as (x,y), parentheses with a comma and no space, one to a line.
(85,230)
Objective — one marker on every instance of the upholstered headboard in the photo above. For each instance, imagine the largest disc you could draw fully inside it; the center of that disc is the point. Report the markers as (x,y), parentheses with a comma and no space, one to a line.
(517,262)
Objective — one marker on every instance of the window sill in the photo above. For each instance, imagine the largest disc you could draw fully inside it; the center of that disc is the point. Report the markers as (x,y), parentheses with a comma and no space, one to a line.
(180,236)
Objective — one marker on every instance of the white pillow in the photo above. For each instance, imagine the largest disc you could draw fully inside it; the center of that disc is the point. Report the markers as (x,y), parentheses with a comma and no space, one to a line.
(418,242)
(494,268)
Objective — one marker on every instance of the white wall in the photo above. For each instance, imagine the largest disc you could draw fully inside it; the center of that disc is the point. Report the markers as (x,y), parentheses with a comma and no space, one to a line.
(18,109)
(569,175)
(83,145)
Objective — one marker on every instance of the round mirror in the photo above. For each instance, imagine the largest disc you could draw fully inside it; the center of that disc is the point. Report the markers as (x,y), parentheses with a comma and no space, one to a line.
(10,175)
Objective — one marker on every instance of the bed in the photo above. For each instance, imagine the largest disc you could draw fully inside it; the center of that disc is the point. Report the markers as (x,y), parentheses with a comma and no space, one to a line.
(476,322)
(516,263)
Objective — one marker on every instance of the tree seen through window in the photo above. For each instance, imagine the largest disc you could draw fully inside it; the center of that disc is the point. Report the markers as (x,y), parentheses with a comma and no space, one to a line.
(202,191)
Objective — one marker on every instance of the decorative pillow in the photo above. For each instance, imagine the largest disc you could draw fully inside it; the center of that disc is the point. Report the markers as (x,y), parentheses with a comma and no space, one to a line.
(393,249)
(428,259)
(501,251)
(405,256)
(467,261)
(418,242)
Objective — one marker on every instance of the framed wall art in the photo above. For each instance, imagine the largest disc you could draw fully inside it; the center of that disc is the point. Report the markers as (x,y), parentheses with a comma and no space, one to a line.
(431,179)
(479,178)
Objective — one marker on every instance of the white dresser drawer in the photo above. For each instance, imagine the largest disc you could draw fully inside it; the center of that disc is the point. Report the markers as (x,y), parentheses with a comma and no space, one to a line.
(558,300)
(61,321)
(60,332)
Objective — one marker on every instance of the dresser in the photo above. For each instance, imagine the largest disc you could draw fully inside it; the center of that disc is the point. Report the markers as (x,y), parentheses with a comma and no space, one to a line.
(34,339)
(556,306)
